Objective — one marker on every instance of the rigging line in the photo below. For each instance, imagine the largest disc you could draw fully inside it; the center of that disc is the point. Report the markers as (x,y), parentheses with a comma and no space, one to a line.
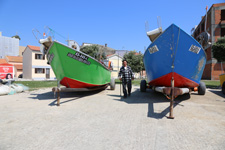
(175,51)
(37,33)
(53,31)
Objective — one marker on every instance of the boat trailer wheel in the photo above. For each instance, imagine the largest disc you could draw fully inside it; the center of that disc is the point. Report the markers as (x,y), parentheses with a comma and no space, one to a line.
(143,86)
(223,88)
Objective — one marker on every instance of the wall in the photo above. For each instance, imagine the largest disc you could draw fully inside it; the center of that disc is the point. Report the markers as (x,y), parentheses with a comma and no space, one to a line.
(19,71)
(27,66)
(40,63)
(117,64)
(217,70)
(207,71)
(212,68)
(9,46)
(21,50)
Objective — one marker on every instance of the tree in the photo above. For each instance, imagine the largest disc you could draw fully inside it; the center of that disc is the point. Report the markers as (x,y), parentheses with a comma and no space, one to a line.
(218,49)
(17,37)
(94,51)
(135,61)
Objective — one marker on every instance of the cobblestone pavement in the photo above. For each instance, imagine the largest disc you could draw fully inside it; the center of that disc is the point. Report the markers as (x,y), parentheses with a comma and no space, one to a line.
(104,121)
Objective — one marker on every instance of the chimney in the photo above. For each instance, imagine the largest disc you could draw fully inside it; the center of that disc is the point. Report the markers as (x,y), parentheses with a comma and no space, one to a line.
(0,33)
(105,44)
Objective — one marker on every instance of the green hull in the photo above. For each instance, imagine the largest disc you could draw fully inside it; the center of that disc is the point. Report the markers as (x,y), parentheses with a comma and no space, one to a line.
(75,69)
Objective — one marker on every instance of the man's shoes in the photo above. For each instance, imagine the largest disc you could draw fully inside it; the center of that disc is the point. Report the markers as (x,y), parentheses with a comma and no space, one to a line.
(124,96)
(129,94)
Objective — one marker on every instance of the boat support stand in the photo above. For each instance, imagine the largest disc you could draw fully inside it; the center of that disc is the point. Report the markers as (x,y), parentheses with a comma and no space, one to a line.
(57,90)
(171,100)
(171,93)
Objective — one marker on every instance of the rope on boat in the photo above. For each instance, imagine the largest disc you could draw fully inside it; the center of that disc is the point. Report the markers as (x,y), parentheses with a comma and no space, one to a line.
(174,54)
(36,34)
(175,51)
(172,80)
(47,31)
(53,32)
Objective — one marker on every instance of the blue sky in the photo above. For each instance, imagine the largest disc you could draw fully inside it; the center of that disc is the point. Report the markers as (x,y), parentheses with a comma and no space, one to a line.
(119,23)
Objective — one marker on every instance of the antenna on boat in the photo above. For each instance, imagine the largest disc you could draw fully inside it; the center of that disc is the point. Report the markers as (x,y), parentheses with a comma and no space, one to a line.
(159,22)
(146,26)
(46,31)
(68,37)
(154,33)
(206,18)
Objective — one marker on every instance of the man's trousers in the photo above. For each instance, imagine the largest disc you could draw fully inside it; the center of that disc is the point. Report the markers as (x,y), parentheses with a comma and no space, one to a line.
(128,85)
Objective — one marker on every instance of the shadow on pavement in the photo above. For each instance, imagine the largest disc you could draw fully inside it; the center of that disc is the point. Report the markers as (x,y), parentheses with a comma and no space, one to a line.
(151,97)
(71,95)
(217,92)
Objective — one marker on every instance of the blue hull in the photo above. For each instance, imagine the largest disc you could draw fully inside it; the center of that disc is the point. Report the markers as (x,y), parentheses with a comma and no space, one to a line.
(174,54)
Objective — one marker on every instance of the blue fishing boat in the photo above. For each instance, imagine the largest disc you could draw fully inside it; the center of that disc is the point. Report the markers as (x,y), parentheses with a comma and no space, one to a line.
(174,55)
(174,63)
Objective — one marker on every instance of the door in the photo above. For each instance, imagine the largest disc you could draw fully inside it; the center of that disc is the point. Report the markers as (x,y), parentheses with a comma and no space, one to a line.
(47,73)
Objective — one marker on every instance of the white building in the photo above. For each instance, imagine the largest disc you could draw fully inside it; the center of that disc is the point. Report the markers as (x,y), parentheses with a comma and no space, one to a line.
(34,67)
(116,60)
(8,46)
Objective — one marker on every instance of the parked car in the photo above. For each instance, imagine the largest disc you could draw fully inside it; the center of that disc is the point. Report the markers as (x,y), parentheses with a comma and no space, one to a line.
(20,76)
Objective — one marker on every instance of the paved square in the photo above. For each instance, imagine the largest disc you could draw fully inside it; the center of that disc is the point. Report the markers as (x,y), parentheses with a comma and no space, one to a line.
(103,121)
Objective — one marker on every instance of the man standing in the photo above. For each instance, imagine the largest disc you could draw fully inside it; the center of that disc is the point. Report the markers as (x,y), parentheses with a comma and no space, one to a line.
(126,75)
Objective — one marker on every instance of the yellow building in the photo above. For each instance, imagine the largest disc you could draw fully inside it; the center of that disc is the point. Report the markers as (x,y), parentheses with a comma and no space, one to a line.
(34,66)
(21,50)
(116,61)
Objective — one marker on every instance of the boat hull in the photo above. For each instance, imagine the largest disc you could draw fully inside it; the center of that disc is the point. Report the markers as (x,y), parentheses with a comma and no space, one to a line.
(75,69)
(174,54)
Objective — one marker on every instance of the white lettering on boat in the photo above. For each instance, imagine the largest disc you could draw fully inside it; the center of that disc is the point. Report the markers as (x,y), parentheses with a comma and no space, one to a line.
(50,58)
(79,57)
(153,49)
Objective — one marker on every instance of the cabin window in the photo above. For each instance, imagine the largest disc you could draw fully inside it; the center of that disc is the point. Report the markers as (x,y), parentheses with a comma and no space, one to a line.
(222,14)
(39,70)
(222,32)
(198,30)
(203,26)
(195,35)
(39,56)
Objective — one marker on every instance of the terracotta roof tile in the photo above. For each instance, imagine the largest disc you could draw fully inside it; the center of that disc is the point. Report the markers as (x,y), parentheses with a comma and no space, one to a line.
(3,61)
(18,59)
(34,48)
(6,64)
(109,55)
(19,66)
(222,21)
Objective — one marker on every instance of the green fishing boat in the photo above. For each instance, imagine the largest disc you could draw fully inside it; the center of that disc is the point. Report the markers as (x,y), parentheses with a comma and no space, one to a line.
(75,69)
